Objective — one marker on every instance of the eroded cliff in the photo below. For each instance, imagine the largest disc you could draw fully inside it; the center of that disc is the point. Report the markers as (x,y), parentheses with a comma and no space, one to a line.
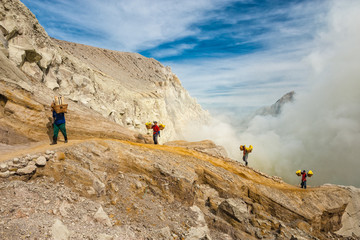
(125,88)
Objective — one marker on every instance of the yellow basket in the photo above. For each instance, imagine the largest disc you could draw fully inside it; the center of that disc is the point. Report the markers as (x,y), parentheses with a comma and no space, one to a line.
(161,126)
(148,125)
(310,173)
(298,172)
(249,149)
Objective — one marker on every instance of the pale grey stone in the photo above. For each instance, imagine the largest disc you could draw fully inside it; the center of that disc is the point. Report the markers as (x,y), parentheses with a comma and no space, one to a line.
(102,217)
(32,163)
(234,207)
(23,161)
(3,167)
(91,191)
(138,184)
(99,187)
(29,169)
(41,161)
(5,174)
(201,230)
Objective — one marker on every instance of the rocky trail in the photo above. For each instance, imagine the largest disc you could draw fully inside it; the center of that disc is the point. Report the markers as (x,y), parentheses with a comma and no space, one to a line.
(12,151)
(17,151)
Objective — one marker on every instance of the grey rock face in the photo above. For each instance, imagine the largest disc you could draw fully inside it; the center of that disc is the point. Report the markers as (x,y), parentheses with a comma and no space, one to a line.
(351,216)
(235,208)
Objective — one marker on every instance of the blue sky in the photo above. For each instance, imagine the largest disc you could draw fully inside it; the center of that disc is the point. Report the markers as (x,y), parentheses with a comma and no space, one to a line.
(231,55)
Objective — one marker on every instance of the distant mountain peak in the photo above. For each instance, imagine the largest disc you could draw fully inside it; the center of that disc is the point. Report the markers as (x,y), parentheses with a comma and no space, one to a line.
(275,109)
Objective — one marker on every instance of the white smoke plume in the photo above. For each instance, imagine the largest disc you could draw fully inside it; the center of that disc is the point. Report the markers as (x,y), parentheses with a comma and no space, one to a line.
(320,131)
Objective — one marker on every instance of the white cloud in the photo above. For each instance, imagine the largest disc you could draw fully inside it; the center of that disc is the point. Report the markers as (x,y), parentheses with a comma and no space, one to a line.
(173,51)
(129,25)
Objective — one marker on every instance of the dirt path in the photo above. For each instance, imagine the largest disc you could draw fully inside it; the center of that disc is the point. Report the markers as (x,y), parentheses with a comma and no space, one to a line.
(11,151)
(8,152)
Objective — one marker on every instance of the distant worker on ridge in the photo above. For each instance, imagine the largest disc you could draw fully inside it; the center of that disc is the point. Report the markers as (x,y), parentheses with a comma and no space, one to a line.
(246,152)
(303,175)
(156,132)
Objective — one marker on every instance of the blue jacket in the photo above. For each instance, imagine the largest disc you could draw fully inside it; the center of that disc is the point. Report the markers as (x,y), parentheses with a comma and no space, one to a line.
(59,118)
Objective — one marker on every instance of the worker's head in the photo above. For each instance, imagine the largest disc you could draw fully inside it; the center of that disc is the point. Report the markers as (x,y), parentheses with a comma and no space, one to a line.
(303,171)
(155,122)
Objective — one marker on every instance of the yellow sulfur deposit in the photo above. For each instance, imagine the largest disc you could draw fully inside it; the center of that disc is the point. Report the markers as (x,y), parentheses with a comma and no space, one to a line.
(247,149)
(148,125)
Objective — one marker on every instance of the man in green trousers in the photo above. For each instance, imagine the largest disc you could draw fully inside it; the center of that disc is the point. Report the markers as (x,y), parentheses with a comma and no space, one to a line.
(59,124)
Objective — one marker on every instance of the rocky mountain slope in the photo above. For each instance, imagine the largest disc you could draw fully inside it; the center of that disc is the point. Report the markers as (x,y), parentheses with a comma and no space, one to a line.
(125,88)
(107,182)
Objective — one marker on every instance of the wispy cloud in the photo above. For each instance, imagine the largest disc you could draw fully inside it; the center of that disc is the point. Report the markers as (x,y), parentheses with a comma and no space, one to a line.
(173,51)
(122,25)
